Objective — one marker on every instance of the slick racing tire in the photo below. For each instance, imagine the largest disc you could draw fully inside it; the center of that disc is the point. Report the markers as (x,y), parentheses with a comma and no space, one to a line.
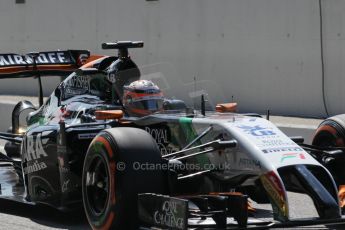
(112,178)
(331,133)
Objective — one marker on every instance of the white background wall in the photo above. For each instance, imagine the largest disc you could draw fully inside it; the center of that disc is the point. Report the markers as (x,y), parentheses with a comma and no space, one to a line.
(265,53)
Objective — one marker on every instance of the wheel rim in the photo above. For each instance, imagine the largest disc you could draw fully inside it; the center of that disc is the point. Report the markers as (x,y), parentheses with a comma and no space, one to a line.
(97,185)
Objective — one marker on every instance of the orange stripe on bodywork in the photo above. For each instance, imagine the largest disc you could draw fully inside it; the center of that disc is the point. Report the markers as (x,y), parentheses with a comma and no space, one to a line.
(20,69)
(93,59)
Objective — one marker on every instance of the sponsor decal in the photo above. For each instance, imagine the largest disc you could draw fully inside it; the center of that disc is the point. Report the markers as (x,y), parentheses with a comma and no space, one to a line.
(78,82)
(286,156)
(34,152)
(61,161)
(82,59)
(62,156)
(76,85)
(84,84)
(276,142)
(90,178)
(257,130)
(112,77)
(62,167)
(166,150)
(59,57)
(74,91)
(86,136)
(249,163)
(12,59)
(35,167)
(274,188)
(162,137)
(283,149)
(95,92)
(34,148)
(169,215)
(65,186)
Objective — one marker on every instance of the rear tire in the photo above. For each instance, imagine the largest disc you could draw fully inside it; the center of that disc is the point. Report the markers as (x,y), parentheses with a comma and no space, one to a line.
(111,178)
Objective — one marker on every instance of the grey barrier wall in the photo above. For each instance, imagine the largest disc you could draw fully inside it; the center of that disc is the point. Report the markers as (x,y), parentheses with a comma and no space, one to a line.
(5,112)
(282,55)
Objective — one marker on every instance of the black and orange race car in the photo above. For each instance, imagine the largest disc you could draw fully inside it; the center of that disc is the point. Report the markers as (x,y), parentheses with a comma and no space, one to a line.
(173,169)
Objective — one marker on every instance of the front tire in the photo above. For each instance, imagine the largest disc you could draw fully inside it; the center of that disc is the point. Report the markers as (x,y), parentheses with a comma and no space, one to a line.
(331,133)
(112,180)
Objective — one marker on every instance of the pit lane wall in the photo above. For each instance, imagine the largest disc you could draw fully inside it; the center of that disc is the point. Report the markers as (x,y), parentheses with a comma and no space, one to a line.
(264,53)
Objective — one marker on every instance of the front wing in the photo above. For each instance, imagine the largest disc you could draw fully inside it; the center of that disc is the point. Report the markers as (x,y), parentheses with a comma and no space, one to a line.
(223,211)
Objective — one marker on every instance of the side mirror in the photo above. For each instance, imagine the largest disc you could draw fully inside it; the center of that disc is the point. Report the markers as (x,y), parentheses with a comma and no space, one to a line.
(21,110)
(108,114)
(226,107)
(173,104)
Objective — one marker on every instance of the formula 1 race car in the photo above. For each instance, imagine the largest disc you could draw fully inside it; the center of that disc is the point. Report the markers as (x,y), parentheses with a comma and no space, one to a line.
(173,169)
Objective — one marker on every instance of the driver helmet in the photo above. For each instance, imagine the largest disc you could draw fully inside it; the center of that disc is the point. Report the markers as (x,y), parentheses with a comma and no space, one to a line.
(142,97)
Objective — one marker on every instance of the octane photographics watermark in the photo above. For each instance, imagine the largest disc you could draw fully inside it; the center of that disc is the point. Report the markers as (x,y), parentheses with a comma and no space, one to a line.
(121,166)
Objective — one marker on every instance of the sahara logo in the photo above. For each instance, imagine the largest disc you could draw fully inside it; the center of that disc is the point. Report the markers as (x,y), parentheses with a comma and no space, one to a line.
(256,130)
(286,156)
(34,152)
(35,167)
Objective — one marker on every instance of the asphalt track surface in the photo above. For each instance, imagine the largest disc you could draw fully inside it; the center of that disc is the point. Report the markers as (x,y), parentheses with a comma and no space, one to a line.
(15,215)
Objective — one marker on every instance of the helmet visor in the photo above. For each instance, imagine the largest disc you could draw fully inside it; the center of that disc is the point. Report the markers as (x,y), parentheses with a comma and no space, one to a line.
(151,105)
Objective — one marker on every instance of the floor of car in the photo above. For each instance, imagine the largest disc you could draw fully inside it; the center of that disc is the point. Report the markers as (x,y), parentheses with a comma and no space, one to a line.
(10,188)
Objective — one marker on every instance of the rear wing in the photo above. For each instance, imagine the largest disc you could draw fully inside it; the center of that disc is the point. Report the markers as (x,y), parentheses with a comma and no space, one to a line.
(48,63)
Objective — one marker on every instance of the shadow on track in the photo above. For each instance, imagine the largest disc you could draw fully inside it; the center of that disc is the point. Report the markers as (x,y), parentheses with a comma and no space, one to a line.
(45,215)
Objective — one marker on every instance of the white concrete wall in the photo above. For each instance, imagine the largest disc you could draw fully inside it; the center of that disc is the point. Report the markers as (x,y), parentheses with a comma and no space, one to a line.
(265,53)
(334,51)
